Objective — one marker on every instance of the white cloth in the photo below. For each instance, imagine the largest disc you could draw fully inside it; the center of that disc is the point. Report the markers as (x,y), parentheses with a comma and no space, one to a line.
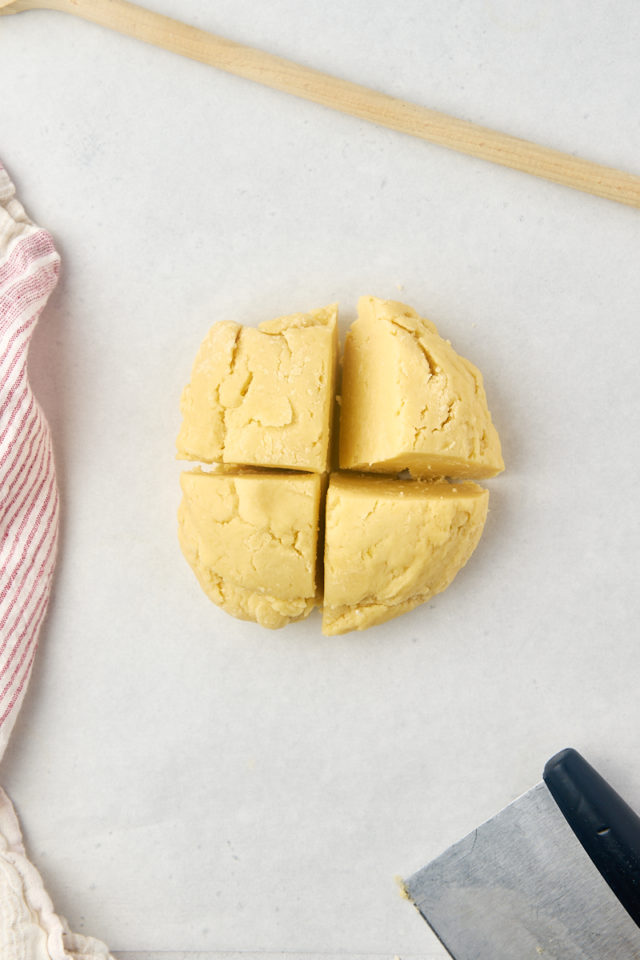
(29,927)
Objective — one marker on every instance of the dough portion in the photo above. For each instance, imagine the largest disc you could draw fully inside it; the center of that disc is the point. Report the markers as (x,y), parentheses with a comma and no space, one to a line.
(251,540)
(392,544)
(265,396)
(410,402)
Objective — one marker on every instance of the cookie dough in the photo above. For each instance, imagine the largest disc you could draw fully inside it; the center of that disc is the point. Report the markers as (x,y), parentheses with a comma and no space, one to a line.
(251,539)
(410,402)
(263,397)
(392,544)
(259,411)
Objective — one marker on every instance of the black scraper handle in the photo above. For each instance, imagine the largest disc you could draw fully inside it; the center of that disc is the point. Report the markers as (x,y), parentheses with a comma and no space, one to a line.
(606,827)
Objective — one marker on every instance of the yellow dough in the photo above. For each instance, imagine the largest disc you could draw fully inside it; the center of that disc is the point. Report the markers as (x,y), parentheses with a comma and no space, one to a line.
(259,411)
(392,544)
(410,402)
(263,397)
(251,539)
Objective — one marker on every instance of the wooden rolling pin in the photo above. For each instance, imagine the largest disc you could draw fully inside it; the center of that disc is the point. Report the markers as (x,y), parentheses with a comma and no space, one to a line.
(350,98)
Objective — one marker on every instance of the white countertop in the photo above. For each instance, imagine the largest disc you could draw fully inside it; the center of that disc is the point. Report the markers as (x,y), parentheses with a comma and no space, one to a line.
(188,782)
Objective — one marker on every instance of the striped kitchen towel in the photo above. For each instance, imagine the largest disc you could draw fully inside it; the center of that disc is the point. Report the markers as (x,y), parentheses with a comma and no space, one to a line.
(28,494)
(29,927)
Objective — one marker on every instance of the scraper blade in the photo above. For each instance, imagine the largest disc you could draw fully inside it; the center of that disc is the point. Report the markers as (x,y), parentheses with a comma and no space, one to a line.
(522,886)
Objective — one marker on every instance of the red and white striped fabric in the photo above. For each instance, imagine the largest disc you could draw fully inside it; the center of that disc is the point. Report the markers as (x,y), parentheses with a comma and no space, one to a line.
(29,267)
(29,927)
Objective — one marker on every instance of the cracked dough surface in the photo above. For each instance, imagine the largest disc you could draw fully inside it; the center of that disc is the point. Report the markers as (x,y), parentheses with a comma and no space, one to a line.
(410,402)
(392,544)
(251,539)
(263,396)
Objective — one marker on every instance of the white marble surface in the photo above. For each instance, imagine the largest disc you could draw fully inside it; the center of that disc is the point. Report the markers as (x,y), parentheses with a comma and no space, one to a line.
(190,783)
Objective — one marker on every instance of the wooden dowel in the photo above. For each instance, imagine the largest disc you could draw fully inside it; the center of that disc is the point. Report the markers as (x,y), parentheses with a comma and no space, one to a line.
(351,98)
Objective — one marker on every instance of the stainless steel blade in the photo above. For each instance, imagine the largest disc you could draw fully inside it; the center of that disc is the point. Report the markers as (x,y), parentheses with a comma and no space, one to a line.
(521,887)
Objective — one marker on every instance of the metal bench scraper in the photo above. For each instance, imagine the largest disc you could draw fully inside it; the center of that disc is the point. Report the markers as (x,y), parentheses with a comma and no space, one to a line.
(553,876)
